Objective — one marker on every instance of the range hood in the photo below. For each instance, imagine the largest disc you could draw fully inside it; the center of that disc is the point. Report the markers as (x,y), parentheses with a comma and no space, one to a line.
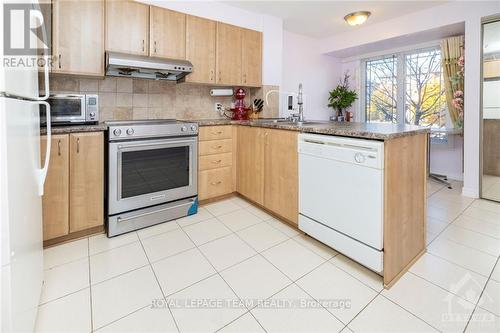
(127,65)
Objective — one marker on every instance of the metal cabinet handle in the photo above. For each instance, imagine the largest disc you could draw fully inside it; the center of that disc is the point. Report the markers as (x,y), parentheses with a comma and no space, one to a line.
(217,133)
(59,61)
(216,162)
(217,147)
(220,76)
(211,75)
(154,47)
(59,147)
(143,45)
(244,78)
(216,183)
(78,145)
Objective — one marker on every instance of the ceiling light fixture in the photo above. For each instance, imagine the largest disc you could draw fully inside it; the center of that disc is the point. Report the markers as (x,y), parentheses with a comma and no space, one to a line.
(357,18)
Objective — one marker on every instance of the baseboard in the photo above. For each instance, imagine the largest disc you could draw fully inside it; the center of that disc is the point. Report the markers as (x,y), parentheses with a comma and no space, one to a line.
(452,176)
(470,192)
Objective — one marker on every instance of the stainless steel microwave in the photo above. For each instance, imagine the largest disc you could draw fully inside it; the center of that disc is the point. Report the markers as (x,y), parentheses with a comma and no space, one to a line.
(74,108)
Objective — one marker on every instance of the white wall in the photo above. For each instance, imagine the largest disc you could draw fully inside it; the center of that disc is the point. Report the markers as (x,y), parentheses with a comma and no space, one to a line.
(303,63)
(470,12)
(271,27)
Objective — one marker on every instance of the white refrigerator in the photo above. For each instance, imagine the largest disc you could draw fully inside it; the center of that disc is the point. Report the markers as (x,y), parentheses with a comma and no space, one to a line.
(22,177)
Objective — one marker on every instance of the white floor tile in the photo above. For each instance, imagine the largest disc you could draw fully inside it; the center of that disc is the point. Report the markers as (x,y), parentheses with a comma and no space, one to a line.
(461,255)
(62,254)
(239,219)
(487,205)
(490,300)
(473,239)
(167,244)
(360,272)
(206,231)
(144,320)
(445,214)
(177,272)
(449,204)
(244,324)
(300,314)
(65,279)
(68,314)
(496,273)
(255,279)
(382,315)
(340,293)
(241,202)
(451,277)
(202,215)
(477,225)
(122,295)
(293,259)
(439,308)
(262,236)
(483,214)
(227,251)
(435,226)
(483,321)
(317,247)
(259,213)
(283,227)
(117,261)
(157,229)
(430,237)
(194,315)
(100,243)
(221,207)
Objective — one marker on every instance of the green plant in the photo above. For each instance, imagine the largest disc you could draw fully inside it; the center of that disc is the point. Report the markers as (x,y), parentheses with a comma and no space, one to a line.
(341,97)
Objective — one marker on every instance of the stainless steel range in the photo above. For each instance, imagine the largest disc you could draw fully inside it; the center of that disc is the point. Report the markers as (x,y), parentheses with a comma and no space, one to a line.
(152,175)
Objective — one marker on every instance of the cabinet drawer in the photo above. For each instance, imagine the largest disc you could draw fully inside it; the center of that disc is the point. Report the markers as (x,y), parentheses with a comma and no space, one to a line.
(215,161)
(215,133)
(215,147)
(215,182)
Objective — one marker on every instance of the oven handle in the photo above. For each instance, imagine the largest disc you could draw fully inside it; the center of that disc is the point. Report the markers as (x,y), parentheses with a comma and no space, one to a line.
(165,143)
(123,219)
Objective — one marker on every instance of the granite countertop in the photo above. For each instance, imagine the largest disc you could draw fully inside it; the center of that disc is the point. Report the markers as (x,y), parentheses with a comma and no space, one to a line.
(100,127)
(374,131)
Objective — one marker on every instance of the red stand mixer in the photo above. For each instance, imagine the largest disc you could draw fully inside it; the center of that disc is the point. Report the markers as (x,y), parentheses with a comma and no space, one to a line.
(240,112)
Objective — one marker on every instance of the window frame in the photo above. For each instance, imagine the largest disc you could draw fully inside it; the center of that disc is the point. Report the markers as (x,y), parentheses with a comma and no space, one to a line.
(400,81)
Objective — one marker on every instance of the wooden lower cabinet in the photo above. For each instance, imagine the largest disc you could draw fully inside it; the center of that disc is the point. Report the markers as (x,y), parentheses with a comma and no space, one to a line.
(73,199)
(86,181)
(250,163)
(281,173)
(55,202)
(214,183)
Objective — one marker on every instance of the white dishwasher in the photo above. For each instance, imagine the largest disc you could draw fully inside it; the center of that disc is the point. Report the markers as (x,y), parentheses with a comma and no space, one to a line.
(341,195)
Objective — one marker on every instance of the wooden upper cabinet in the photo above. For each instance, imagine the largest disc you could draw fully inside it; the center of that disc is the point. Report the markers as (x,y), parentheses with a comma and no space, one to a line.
(200,49)
(281,173)
(55,200)
(78,37)
(127,27)
(86,180)
(228,58)
(491,69)
(167,33)
(250,163)
(251,61)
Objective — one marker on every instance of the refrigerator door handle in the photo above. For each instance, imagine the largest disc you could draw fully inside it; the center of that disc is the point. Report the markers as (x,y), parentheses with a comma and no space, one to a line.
(43,171)
(46,65)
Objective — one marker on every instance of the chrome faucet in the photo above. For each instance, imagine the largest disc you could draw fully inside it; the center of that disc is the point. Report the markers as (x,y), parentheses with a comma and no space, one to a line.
(300,102)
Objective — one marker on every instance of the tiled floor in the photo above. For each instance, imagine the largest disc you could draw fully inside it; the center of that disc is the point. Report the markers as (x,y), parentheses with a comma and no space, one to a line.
(234,268)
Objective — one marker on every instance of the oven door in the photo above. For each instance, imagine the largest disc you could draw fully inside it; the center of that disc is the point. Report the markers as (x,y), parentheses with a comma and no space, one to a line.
(67,108)
(150,172)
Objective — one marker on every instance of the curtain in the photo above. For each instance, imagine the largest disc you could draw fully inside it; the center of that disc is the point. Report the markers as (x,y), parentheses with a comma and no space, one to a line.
(452,50)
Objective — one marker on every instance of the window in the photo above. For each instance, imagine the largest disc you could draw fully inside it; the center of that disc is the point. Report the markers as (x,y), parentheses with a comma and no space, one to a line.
(405,88)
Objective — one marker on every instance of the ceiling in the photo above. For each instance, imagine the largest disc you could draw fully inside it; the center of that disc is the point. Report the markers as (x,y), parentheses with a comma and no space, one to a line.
(326,18)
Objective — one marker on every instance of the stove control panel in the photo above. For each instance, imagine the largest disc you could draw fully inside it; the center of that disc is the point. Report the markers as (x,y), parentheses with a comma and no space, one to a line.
(150,129)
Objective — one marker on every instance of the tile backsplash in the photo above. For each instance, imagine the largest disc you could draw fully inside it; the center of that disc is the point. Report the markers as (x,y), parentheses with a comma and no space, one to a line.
(126,98)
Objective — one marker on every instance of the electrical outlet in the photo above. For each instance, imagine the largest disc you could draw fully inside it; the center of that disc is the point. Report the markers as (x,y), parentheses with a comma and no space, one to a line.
(219,108)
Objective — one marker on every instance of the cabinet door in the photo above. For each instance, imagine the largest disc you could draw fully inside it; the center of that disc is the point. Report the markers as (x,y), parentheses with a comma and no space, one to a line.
(55,200)
(200,49)
(86,180)
(281,173)
(127,27)
(228,57)
(251,62)
(250,163)
(167,33)
(78,37)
